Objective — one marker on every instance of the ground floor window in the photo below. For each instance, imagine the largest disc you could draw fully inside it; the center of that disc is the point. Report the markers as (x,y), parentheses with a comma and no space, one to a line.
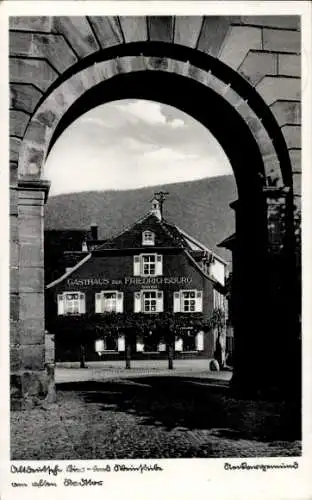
(151,342)
(108,343)
(189,341)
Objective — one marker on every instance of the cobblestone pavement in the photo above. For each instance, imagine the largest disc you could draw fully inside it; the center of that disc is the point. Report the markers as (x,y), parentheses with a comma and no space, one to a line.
(149,417)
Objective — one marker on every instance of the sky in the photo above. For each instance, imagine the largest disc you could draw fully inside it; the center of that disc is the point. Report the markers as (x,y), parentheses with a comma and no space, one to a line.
(129,144)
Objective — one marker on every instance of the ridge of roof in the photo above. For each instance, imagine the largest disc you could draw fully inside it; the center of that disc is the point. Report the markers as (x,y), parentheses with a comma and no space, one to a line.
(68,273)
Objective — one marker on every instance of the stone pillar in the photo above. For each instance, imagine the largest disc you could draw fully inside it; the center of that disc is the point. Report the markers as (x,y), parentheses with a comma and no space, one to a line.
(29,381)
(264,315)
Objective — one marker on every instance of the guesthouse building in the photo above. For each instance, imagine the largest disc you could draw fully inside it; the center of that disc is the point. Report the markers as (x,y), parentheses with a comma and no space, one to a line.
(150,275)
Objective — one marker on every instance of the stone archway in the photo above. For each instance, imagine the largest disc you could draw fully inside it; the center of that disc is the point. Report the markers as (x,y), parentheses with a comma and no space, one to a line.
(243,71)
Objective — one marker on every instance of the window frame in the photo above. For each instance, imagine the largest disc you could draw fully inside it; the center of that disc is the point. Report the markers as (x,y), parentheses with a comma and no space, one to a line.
(102,293)
(142,255)
(143,292)
(148,241)
(182,304)
(78,300)
(105,292)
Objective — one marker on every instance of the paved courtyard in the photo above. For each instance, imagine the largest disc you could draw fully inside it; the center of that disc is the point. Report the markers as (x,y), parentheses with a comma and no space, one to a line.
(107,412)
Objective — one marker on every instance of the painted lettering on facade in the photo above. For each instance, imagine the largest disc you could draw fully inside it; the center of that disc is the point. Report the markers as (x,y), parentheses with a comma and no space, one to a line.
(130,280)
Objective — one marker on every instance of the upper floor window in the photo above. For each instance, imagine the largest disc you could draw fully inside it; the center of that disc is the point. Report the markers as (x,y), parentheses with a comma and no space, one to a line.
(188,301)
(71,303)
(148,265)
(109,301)
(148,238)
(149,301)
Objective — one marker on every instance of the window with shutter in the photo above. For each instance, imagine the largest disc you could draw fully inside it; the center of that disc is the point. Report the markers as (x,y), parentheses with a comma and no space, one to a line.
(178,345)
(98,303)
(160,301)
(119,305)
(109,301)
(148,264)
(150,301)
(136,265)
(60,304)
(139,346)
(176,302)
(137,302)
(71,303)
(82,303)
(159,265)
(121,343)
(199,301)
(200,341)
(191,301)
(188,301)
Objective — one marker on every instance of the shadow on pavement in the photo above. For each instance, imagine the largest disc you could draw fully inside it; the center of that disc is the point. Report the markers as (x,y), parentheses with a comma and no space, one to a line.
(190,403)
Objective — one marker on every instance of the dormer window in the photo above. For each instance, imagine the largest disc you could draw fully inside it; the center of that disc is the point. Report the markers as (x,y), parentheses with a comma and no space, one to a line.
(148,238)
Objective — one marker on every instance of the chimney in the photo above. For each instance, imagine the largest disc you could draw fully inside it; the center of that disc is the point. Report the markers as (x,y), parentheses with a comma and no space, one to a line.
(94,231)
(156,209)
(157,204)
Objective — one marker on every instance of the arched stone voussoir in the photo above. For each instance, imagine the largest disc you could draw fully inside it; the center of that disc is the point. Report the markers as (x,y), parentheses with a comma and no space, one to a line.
(77,31)
(48,115)
(258,64)
(273,88)
(273,170)
(238,42)
(287,112)
(264,141)
(18,122)
(187,30)
(31,160)
(134,28)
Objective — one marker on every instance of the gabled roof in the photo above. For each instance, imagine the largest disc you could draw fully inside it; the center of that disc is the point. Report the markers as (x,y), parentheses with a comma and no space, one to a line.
(179,238)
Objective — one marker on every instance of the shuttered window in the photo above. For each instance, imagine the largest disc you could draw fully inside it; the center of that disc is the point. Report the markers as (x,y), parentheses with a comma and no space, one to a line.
(188,301)
(149,301)
(109,301)
(71,303)
(149,264)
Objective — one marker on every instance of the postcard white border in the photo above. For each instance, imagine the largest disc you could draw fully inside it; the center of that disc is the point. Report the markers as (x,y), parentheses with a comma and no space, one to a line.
(183,479)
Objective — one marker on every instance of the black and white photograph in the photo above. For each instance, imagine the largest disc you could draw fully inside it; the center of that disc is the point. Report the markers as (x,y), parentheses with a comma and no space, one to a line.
(155,237)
